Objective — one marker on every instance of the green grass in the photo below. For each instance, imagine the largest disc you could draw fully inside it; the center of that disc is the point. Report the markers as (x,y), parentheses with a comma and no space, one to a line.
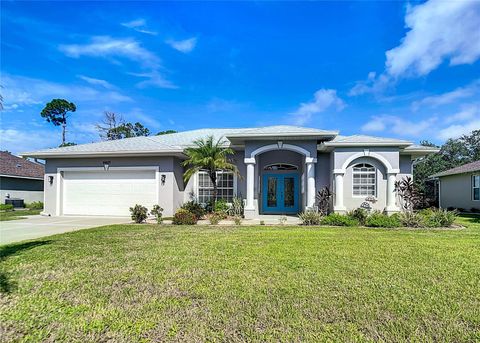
(130,283)
(18,214)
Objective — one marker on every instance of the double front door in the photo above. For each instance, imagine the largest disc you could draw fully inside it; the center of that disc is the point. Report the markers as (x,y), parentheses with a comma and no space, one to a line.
(280,193)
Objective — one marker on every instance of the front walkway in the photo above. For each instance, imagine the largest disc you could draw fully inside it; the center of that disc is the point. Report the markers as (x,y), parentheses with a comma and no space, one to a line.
(41,226)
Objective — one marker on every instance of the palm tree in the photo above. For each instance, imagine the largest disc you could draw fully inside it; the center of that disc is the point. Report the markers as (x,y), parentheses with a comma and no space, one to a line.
(209,156)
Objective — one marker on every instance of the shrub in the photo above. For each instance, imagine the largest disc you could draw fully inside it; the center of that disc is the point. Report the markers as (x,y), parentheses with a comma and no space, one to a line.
(411,219)
(438,217)
(377,219)
(139,213)
(36,205)
(6,207)
(337,219)
(184,217)
(237,220)
(310,218)
(475,210)
(236,209)
(215,218)
(359,214)
(195,208)
(157,211)
(220,206)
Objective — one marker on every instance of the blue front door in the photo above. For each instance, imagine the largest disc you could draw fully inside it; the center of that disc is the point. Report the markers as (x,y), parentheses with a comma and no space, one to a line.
(280,193)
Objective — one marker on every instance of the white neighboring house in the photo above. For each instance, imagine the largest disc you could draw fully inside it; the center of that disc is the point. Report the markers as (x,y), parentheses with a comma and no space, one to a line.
(20,178)
(281,168)
(460,187)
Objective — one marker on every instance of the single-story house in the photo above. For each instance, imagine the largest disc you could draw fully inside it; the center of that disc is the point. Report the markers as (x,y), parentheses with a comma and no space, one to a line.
(281,168)
(459,187)
(20,178)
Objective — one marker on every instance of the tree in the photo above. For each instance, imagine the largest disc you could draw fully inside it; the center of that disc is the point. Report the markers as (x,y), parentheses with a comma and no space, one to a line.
(110,121)
(128,130)
(67,144)
(56,112)
(210,156)
(166,132)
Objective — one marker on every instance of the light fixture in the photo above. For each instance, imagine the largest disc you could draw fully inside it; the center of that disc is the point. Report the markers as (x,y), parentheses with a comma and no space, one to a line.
(50,180)
(163,178)
(280,144)
(106,165)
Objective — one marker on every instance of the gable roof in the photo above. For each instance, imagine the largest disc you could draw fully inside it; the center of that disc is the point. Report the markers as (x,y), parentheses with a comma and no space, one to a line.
(11,165)
(363,139)
(466,168)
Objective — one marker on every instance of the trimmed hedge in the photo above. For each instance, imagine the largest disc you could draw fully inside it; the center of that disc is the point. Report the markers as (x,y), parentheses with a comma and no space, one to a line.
(337,219)
(184,217)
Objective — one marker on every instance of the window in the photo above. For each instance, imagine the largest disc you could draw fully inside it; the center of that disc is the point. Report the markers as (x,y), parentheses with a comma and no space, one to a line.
(364,180)
(225,187)
(476,187)
(280,166)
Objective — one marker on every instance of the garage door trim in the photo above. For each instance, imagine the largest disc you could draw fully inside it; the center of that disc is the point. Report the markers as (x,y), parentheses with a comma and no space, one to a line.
(59,195)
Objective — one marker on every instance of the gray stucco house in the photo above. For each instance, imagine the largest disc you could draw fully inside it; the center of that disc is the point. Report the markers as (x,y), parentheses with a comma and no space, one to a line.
(20,178)
(459,187)
(281,168)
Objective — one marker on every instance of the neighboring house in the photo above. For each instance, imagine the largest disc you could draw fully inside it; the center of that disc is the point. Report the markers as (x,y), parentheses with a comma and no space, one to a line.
(20,178)
(460,187)
(281,168)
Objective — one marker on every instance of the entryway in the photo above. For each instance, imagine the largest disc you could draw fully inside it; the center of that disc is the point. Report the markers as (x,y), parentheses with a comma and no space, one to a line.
(280,193)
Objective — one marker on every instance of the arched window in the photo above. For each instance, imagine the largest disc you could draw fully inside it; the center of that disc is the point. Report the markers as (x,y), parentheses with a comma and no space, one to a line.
(364,180)
(281,166)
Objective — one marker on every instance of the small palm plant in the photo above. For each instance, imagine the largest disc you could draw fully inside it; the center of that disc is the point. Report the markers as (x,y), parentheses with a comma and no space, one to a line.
(210,156)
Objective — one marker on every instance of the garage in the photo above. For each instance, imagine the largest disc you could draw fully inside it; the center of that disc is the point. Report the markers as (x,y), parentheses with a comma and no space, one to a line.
(110,193)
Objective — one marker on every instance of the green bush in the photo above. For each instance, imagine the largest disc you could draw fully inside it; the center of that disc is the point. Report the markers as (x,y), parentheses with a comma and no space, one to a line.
(184,217)
(221,206)
(377,219)
(138,213)
(215,218)
(195,208)
(359,214)
(157,211)
(310,218)
(36,205)
(411,219)
(438,217)
(237,220)
(6,207)
(337,219)
(236,210)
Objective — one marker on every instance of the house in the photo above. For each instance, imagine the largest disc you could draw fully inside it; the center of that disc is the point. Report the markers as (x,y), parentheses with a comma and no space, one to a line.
(20,178)
(281,168)
(459,187)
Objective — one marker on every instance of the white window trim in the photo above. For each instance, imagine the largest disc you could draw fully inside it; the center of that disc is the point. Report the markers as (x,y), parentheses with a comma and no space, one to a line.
(473,187)
(197,180)
(374,185)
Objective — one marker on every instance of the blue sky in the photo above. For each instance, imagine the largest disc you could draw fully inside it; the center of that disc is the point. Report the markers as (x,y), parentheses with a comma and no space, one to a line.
(379,68)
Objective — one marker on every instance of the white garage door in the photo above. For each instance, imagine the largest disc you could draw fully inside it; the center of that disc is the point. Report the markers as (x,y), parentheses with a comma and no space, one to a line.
(107,192)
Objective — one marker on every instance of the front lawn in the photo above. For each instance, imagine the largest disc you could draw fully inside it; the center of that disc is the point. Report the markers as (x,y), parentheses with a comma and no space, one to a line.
(18,214)
(130,283)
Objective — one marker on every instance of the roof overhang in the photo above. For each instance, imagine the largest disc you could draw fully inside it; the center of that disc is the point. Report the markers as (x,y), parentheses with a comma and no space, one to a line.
(21,177)
(240,138)
(83,154)
(329,146)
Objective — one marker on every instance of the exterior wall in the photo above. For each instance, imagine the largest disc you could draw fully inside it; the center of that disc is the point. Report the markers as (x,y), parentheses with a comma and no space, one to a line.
(456,191)
(29,190)
(168,190)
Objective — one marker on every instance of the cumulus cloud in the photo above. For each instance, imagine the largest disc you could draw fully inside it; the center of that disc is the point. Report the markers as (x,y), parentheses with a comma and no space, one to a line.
(467,112)
(323,99)
(457,130)
(185,46)
(398,125)
(139,25)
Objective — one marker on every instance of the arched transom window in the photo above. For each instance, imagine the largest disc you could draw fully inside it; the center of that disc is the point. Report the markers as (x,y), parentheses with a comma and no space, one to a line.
(364,180)
(281,166)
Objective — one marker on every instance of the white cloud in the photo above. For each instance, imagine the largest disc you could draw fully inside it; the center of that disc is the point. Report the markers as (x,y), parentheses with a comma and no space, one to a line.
(184,46)
(139,25)
(398,126)
(137,114)
(154,79)
(18,141)
(457,130)
(96,82)
(467,112)
(473,89)
(323,100)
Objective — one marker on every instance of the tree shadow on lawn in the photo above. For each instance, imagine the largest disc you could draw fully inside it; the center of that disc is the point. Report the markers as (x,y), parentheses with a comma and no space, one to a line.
(471,218)
(6,285)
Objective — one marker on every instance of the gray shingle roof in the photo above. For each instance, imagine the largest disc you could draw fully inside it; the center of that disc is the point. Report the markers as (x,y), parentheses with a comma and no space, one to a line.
(361,139)
(466,168)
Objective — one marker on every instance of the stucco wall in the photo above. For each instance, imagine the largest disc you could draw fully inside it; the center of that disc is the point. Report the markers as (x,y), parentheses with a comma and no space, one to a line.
(456,191)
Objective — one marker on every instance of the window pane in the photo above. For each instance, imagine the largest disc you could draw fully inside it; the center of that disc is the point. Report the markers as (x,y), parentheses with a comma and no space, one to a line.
(476,194)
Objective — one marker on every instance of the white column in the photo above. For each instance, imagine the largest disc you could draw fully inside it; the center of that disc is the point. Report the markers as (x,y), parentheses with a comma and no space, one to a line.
(250,162)
(391,206)
(339,207)
(310,163)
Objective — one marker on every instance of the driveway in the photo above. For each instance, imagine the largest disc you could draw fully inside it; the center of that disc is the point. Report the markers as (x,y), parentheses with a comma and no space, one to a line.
(40,226)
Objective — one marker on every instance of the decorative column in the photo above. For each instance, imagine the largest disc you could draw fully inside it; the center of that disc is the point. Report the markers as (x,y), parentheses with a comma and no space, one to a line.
(249,205)
(310,164)
(391,206)
(339,206)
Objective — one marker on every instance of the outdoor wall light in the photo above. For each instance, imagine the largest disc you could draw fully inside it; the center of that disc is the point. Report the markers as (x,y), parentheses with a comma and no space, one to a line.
(280,144)
(106,165)
(50,180)
(163,178)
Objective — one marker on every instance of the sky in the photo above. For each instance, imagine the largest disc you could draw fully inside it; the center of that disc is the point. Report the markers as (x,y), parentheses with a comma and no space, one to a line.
(389,69)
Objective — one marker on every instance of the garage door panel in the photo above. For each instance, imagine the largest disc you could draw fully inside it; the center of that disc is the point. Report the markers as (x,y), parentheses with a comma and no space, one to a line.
(107,192)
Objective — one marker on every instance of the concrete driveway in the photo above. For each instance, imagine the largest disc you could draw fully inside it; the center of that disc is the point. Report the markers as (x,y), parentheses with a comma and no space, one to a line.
(40,226)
